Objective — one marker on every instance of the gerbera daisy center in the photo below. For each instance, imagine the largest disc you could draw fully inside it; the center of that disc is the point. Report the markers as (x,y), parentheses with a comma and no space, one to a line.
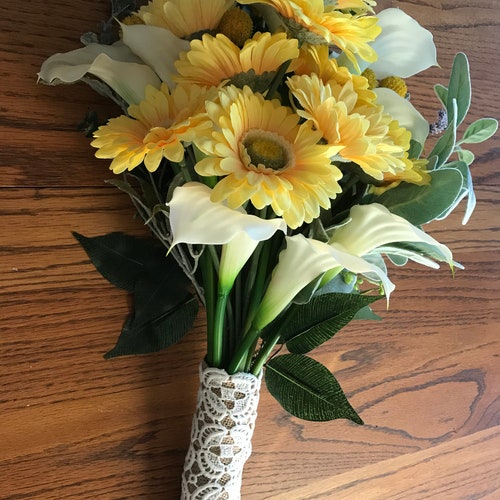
(267,149)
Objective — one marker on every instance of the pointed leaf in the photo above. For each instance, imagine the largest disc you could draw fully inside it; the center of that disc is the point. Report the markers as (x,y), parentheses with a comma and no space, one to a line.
(319,320)
(115,256)
(307,389)
(157,333)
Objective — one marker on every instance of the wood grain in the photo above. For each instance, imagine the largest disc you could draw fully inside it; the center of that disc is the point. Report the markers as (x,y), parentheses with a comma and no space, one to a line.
(72,425)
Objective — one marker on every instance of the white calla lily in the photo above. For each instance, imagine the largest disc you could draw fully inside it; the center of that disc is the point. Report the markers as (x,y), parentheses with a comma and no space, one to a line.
(404,48)
(404,112)
(157,47)
(302,261)
(370,229)
(114,64)
(195,219)
(373,226)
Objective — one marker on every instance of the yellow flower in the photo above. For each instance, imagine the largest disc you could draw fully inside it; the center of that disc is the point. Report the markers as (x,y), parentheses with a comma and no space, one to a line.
(359,6)
(264,156)
(360,134)
(185,18)
(414,173)
(316,59)
(155,129)
(213,60)
(310,22)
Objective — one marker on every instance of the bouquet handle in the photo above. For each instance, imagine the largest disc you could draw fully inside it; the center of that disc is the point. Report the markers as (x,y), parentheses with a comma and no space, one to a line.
(221,435)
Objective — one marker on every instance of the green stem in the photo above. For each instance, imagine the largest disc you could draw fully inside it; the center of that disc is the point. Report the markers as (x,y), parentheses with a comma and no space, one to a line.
(264,353)
(207,271)
(238,361)
(217,345)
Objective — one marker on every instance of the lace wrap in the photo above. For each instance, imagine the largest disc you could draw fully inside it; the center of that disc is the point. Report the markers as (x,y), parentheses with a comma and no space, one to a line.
(221,435)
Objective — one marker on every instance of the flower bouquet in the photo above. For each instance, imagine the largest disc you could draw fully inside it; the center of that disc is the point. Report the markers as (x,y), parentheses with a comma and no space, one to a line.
(273,150)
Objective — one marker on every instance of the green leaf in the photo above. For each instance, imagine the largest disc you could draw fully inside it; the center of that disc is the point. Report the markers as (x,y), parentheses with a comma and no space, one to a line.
(466,156)
(307,389)
(156,333)
(312,324)
(415,149)
(164,309)
(117,257)
(367,313)
(459,89)
(446,143)
(422,204)
(467,191)
(479,131)
(442,93)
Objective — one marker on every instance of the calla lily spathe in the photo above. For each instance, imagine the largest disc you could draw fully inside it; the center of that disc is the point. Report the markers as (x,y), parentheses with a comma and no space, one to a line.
(195,219)
(370,229)
(116,65)
(404,48)
(404,112)
(157,47)
(127,66)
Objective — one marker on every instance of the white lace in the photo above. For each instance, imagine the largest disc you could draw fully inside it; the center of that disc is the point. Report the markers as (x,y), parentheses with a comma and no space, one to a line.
(221,435)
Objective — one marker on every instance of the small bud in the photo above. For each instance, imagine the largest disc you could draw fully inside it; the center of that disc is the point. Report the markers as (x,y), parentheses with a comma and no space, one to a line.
(369,74)
(395,83)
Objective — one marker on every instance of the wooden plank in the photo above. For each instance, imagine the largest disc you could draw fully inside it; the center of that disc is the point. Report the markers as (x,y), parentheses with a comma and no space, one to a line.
(446,471)
(73,425)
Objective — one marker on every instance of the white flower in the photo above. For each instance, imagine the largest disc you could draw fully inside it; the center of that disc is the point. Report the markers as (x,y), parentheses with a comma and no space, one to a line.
(370,229)
(404,112)
(157,47)
(195,219)
(145,57)
(115,65)
(404,48)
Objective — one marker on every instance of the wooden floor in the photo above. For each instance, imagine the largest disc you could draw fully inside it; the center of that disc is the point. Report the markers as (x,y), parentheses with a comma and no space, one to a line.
(73,425)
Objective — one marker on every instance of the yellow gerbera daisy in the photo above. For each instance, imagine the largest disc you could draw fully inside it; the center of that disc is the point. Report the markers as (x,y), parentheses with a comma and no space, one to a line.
(155,128)
(310,22)
(316,59)
(360,134)
(414,173)
(264,156)
(213,60)
(185,18)
(358,6)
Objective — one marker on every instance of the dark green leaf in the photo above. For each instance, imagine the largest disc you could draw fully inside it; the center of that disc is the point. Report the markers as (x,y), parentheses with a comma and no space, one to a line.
(157,332)
(118,257)
(459,89)
(422,204)
(307,389)
(164,309)
(312,324)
